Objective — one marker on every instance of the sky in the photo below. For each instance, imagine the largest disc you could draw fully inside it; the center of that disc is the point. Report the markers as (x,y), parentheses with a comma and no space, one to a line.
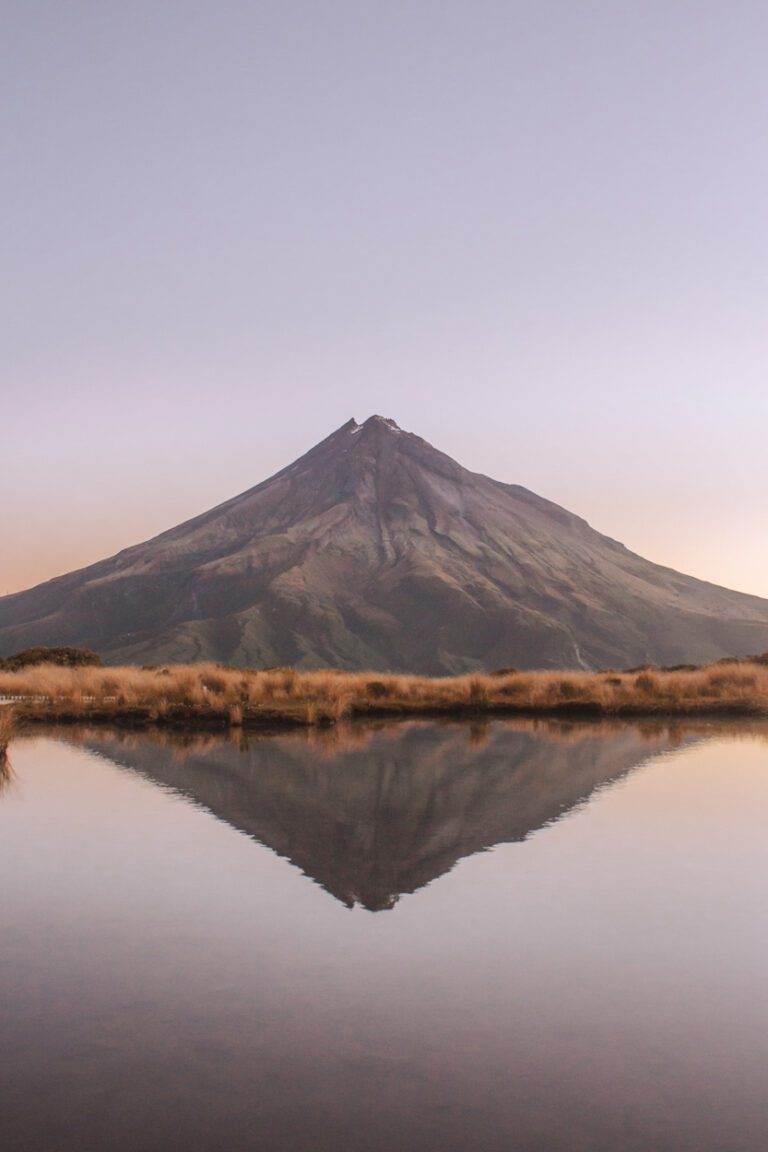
(532,232)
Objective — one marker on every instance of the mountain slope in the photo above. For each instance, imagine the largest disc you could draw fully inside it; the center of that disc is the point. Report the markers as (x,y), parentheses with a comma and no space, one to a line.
(376,550)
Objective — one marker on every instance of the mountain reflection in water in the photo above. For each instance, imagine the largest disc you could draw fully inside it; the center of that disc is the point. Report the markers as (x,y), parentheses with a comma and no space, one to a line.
(372,814)
(170,980)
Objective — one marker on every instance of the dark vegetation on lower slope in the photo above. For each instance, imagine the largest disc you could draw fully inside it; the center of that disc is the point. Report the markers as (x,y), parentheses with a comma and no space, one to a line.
(60,657)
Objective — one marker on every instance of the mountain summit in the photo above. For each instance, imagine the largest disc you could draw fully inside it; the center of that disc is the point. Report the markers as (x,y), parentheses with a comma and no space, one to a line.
(375,550)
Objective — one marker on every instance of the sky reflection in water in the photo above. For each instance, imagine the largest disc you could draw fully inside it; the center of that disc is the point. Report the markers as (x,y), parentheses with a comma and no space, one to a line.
(518,936)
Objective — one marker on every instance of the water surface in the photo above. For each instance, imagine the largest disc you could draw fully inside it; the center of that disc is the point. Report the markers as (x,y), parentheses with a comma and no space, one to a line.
(422,937)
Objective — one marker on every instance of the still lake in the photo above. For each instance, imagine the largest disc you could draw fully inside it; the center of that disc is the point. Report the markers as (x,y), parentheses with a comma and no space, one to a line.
(515,936)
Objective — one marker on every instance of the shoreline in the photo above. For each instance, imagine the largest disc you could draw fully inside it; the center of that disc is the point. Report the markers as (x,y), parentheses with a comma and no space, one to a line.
(209,697)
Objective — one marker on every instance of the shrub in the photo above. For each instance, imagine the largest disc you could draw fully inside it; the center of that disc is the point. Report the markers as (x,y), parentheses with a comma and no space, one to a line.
(568,690)
(514,688)
(62,657)
(376,689)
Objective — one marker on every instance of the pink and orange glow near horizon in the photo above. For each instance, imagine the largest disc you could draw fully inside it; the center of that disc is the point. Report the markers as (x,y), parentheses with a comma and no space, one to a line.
(534,234)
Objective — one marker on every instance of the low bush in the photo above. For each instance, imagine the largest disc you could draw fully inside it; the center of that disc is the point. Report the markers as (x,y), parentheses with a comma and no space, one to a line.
(61,657)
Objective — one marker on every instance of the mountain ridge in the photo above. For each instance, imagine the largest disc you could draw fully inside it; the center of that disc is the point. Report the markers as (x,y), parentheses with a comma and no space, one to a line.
(375,549)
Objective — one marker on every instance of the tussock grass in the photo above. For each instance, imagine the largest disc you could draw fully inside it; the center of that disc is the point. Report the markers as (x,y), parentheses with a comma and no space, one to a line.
(7,730)
(208,694)
(7,726)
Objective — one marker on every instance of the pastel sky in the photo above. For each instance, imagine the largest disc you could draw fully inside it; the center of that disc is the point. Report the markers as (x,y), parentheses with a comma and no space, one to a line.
(533,232)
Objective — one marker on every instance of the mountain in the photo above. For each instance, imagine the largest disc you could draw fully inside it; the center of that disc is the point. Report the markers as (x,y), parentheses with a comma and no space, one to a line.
(375,550)
(400,805)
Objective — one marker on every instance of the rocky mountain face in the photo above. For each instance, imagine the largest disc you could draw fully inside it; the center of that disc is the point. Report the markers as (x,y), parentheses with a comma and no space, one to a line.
(375,550)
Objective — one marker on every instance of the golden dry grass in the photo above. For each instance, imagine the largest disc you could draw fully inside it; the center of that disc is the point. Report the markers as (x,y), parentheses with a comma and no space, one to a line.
(199,694)
(7,724)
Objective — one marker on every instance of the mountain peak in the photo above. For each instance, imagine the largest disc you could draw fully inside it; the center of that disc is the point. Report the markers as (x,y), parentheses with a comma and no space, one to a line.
(376,550)
(382,423)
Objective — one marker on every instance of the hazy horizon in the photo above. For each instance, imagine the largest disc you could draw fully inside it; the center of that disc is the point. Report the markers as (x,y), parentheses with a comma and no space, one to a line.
(533,234)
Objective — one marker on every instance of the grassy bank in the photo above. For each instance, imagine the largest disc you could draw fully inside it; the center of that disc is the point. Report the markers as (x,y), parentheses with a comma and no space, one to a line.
(7,724)
(205,694)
